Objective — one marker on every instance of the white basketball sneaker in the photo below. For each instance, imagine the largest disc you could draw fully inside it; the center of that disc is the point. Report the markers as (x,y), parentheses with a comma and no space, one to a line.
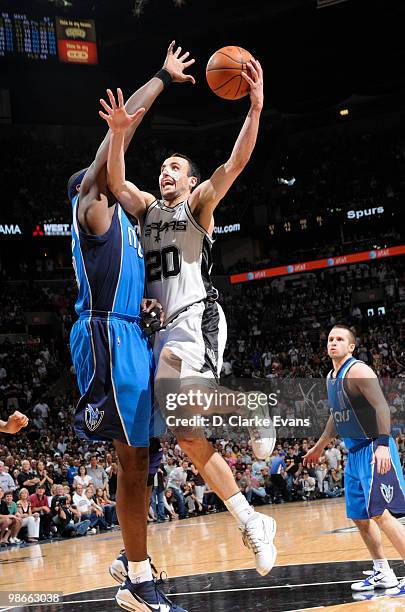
(260,426)
(377,580)
(258,535)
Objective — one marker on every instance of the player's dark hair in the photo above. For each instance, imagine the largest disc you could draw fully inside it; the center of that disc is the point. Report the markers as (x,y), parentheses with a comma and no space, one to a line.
(352,337)
(193,169)
(74,181)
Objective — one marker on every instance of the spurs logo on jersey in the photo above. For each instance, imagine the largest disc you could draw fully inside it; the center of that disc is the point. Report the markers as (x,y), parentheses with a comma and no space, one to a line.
(155,229)
(178,257)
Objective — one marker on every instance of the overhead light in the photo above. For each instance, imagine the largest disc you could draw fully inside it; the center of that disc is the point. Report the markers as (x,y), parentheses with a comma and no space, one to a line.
(344,112)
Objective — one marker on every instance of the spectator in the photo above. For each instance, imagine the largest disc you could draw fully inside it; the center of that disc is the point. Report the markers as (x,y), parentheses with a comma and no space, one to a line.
(157,498)
(279,483)
(39,504)
(9,522)
(112,481)
(82,478)
(176,480)
(308,484)
(6,481)
(28,519)
(332,456)
(44,478)
(108,506)
(27,478)
(168,503)
(97,474)
(335,482)
(321,473)
(67,518)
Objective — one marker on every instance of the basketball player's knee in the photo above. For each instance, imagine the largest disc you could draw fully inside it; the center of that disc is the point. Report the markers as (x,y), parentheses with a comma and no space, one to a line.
(196,448)
(362,524)
(382,519)
(134,463)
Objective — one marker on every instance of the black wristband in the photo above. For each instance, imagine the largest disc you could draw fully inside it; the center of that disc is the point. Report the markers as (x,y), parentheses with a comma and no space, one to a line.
(383,440)
(165,76)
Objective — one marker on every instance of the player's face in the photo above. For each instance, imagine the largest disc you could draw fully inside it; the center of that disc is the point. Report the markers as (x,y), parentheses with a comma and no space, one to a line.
(174,180)
(339,343)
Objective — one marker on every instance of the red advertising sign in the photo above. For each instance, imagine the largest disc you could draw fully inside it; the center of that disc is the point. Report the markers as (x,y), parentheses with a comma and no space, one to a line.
(76,41)
(318,264)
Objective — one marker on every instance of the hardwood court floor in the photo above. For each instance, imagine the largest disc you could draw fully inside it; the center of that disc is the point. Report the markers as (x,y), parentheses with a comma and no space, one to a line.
(319,554)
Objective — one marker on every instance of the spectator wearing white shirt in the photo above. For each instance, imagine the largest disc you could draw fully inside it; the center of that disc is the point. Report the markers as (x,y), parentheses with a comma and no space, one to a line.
(308,484)
(42,409)
(6,481)
(82,478)
(97,474)
(177,478)
(332,456)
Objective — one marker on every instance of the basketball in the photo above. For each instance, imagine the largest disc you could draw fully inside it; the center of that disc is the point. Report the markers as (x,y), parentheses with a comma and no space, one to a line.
(224,70)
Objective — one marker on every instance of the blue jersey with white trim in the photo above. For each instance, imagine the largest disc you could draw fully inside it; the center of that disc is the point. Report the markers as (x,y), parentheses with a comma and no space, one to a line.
(348,418)
(109,269)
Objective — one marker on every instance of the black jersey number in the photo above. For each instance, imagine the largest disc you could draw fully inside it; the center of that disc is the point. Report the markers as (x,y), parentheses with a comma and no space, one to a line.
(164,263)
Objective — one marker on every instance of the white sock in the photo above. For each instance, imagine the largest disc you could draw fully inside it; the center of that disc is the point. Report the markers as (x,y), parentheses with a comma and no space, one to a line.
(239,507)
(381,565)
(139,571)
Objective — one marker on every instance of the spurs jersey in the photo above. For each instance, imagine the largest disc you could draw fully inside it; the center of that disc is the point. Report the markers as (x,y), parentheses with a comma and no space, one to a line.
(178,258)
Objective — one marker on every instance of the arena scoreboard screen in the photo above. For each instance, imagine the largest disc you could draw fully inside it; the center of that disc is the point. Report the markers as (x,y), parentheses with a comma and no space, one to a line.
(47,39)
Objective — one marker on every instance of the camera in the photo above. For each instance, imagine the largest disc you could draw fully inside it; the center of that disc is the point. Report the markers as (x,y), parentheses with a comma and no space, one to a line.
(60,500)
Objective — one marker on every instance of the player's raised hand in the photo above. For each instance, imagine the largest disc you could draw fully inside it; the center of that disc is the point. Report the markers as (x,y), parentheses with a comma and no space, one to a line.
(116,116)
(382,457)
(15,422)
(255,80)
(176,63)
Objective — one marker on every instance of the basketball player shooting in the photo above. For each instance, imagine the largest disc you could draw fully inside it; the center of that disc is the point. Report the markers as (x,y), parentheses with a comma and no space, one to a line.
(110,351)
(374,483)
(177,240)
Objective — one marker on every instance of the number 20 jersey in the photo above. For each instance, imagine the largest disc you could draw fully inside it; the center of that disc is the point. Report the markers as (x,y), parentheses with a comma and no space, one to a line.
(178,258)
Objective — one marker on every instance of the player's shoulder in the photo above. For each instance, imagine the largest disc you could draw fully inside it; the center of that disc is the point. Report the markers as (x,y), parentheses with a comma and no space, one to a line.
(359,369)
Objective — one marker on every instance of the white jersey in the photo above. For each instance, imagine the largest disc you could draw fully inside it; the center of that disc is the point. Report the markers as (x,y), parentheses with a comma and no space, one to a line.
(178,258)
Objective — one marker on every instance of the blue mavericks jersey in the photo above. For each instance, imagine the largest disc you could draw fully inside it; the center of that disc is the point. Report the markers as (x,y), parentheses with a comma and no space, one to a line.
(354,419)
(109,268)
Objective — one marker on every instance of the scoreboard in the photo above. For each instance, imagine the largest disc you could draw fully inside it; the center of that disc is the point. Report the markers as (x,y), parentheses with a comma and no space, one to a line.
(47,39)
(27,38)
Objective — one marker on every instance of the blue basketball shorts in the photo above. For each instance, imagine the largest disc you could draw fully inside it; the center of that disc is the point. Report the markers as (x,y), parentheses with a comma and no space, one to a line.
(114,369)
(368,493)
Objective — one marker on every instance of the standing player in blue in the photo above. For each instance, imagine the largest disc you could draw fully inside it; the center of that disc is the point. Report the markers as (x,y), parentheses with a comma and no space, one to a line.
(374,483)
(110,351)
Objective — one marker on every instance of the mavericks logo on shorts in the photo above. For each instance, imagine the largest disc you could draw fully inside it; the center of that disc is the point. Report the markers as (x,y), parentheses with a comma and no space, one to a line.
(387,492)
(93,417)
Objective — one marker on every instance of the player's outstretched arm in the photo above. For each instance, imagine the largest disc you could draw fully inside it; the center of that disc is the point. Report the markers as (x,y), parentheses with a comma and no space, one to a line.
(174,66)
(206,197)
(119,122)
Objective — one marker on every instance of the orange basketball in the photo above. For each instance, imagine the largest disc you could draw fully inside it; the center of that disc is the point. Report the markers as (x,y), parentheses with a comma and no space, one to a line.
(224,71)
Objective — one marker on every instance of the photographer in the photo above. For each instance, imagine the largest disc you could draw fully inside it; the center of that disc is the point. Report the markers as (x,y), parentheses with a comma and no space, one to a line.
(67,518)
